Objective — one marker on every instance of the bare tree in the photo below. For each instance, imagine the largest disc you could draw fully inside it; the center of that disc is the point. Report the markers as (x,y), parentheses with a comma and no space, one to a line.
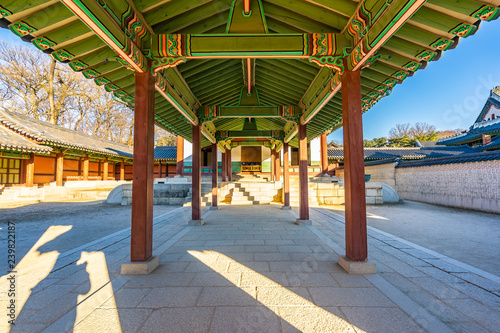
(38,86)
(401,130)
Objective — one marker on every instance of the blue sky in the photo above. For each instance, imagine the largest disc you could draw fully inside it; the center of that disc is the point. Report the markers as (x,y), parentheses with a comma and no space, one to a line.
(448,94)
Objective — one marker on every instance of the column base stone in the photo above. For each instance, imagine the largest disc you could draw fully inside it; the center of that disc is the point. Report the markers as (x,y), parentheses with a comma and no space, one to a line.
(214,207)
(286,207)
(140,267)
(357,267)
(303,222)
(196,222)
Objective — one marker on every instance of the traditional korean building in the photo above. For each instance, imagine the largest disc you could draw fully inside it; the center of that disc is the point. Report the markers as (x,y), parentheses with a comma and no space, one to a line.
(237,73)
(484,134)
(34,152)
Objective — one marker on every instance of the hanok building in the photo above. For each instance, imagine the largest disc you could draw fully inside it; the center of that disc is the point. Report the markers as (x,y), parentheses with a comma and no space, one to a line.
(228,73)
(484,134)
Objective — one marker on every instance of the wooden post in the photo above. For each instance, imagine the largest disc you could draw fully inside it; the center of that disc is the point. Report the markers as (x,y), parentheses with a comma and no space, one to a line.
(30,171)
(215,176)
(106,169)
(122,170)
(59,168)
(273,165)
(324,154)
(196,175)
(354,178)
(286,175)
(86,164)
(224,166)
(79,167)
(303,175)
(141,242)
(180,155)
(160,171)
(277,169)
(229,166)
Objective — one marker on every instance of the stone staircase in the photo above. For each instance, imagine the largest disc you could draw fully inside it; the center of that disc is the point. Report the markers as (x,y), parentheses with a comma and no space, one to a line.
(252,192)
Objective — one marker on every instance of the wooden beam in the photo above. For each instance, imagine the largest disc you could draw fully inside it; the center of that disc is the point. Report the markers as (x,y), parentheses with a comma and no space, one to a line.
(355,202)
(173,97)
(141,242)
(196,174)
(30,170)
(322,97)
(303,174)
(180,155)
(59,168)
(112,31)
(286,175)
(215,176)
(105,169)
(86,167)
(324,153)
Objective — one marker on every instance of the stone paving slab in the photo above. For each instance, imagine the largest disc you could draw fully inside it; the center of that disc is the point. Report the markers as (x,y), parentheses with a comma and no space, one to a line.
(250,268)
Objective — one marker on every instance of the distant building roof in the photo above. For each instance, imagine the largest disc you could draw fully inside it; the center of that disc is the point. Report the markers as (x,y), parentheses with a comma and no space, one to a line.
(46,134)
(466,158)
(490,126)
(166,153)
(403,153)
(15,142)
(494,144)
(419,143)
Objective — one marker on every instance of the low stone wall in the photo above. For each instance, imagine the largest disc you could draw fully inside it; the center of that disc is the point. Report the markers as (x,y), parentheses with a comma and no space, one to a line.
(474,185)
(334,194)
(72,190)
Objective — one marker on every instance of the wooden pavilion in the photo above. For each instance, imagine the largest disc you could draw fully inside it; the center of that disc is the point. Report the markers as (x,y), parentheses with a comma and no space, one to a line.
(247,72)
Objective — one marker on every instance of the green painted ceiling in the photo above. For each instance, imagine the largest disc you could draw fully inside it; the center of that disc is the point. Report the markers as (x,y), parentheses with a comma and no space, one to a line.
(434,28)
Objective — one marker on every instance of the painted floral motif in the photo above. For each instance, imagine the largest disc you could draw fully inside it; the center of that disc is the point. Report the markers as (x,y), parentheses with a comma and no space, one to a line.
(442,44)
(412,66)
(101,81)
(111,87)
(90,73)
(486,13)
(62,55)
(426,55)
(21,29)
(401,75)
(78,65)
(4,12)
(43,43)
(463,30)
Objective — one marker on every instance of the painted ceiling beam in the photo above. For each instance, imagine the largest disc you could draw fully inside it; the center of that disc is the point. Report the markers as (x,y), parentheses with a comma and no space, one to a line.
(173,49)
(374,22)
(104,22)
(173,97)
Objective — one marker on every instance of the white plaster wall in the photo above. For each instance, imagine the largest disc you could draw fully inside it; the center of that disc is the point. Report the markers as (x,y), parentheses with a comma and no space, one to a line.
(316,150)
(236,154)
(188,151)
(266,154)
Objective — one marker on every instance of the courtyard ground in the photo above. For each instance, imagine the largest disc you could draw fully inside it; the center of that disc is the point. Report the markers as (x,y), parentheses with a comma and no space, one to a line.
(249,269)
(469,236)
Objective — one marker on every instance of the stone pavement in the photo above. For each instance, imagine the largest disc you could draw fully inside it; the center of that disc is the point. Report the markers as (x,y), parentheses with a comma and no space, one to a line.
(249,269)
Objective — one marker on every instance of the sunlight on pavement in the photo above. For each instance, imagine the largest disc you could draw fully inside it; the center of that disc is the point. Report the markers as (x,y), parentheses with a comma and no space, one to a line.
(377,217)
(32,269)
(100,291)
(294,309)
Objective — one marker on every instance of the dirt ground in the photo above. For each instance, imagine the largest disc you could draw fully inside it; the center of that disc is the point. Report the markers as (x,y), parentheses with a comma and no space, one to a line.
(469,236)
(88,221)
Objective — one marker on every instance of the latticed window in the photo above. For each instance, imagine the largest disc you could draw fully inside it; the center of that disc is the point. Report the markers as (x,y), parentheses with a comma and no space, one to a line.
(10,171)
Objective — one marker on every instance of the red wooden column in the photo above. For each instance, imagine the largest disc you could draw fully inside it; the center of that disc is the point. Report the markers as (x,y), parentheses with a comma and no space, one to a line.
(159,167)
(224,166)
(196,176)
(180,155)
(273,165)
(141,241)
(215,178)
(303,177)
(277,169)
(229,166)
(324,153)
(30,170)
(86,167)
(59,168)
(105,170)
(286,177)
(355,203)
(122,170)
